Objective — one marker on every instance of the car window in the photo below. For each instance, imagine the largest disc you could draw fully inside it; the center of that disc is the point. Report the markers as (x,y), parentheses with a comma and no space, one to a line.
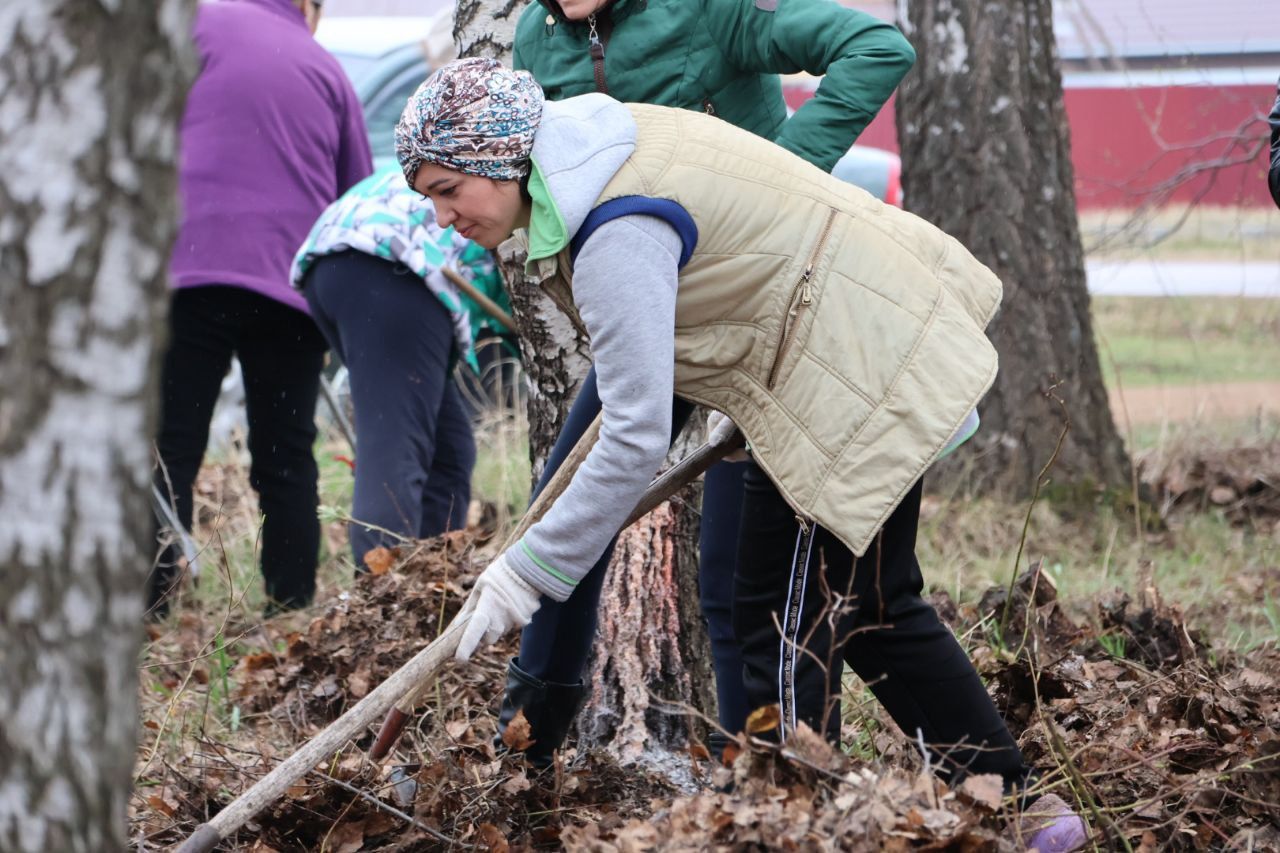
(382,110)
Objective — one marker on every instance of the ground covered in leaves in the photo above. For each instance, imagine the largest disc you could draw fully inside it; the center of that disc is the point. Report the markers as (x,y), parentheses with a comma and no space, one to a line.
(1160,741)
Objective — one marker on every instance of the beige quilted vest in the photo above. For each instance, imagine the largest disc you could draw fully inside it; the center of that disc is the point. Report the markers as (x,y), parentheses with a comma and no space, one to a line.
(843,336)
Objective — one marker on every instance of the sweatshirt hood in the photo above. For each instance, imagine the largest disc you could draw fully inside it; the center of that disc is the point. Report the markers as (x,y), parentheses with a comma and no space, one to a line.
(580,145)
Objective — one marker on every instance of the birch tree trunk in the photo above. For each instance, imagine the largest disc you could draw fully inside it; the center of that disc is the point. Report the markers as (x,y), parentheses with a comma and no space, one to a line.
(987,157)
(486,27)
(88,116)
(651,644)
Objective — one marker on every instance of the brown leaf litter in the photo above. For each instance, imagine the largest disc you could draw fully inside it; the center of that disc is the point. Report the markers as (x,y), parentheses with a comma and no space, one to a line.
(1159,741)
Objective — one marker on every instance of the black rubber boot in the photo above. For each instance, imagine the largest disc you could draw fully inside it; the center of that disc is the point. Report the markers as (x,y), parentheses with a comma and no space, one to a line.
(162,584)
(716,742)
(549,708)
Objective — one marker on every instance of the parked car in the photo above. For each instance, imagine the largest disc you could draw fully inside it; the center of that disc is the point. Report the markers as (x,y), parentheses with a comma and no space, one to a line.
(387,59)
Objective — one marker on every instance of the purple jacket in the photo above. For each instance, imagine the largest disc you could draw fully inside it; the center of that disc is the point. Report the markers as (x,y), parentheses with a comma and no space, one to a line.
(273,132)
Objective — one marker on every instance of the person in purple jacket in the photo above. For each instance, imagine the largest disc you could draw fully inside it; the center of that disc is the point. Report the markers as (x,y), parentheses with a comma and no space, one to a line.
(273,132)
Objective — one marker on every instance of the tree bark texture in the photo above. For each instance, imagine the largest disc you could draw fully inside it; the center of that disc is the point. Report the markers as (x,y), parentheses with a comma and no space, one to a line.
(486,27)
(89,108)
(986,157)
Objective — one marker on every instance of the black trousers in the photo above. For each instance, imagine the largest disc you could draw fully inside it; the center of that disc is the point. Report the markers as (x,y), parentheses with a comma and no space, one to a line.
(281,353)
(416,445)
(803,607)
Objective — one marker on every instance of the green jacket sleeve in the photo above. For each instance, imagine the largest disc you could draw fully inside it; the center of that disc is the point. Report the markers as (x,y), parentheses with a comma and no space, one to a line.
(862,59)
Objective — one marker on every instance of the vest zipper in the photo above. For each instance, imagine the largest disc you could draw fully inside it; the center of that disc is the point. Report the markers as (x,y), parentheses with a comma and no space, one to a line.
(596,49)
(708,107)
(801,299)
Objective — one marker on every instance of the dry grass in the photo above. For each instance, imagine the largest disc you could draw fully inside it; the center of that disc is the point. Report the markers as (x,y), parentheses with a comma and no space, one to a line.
(1181,233)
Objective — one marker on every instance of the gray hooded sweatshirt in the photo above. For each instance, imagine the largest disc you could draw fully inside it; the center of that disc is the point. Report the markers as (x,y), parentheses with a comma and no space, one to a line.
(624,286)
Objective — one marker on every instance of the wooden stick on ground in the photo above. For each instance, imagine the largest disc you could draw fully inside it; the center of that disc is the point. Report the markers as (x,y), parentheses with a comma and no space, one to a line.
(267,789)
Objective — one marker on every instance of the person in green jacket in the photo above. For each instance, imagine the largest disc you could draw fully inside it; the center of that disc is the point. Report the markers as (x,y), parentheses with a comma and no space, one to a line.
(721,57)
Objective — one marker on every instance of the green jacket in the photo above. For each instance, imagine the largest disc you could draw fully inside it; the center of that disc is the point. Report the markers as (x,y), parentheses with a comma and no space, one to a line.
(724,57)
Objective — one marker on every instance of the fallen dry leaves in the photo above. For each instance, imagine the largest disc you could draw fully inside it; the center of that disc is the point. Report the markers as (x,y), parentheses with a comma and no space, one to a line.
(1167,745)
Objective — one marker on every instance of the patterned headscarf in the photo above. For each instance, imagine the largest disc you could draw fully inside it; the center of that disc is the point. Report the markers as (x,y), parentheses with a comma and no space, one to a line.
(474,116)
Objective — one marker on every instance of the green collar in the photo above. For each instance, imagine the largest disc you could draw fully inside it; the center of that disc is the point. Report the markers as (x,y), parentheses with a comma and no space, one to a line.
(547,232)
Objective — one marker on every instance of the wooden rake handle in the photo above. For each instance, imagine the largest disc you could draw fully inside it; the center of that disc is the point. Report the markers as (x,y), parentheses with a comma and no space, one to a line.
(491,308)
(398,717)
(422,668)
(676,478)
(267,789)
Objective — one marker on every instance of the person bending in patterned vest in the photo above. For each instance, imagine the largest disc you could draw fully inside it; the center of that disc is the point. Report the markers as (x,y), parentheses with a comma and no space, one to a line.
(372,274)
(843,336)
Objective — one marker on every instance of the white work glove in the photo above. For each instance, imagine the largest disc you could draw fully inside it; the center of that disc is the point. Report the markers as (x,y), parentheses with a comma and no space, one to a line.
(719,430)
(501,600)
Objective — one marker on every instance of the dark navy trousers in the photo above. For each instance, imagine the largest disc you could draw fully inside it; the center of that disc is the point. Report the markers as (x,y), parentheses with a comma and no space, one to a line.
(556,645)
(416,446)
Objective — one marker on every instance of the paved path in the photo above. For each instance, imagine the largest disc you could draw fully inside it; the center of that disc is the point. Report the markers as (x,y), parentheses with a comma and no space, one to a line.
(1182,403)
(1184,278)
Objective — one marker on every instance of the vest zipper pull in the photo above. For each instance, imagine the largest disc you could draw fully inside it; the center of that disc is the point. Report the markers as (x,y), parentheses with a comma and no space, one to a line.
(596,49)
(806,292)
(550,26)
(597,46)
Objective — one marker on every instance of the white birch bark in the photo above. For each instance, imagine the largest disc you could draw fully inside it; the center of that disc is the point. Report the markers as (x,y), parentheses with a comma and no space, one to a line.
(89,102)
(486,27)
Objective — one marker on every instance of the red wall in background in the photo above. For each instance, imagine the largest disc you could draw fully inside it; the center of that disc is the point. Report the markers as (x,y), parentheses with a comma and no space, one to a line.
(1127,143)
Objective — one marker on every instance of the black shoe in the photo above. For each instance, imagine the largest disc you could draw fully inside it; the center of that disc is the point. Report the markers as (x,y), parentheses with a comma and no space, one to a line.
(161,583)
(549,708)
(716,742)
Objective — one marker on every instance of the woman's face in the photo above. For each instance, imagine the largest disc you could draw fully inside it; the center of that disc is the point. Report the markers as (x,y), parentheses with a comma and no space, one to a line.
(578,10)
(480,209)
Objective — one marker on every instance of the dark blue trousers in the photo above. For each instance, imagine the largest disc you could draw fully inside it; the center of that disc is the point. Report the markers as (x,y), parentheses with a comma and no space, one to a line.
(416,446)
(556,645)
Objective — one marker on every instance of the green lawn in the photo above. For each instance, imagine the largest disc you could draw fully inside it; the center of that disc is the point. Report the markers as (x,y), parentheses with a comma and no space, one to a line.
(1184,340)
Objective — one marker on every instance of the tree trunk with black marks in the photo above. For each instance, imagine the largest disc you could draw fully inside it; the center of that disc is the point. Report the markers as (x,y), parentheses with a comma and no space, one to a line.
(88,123)
(987,157)
(486,27)
(652,653)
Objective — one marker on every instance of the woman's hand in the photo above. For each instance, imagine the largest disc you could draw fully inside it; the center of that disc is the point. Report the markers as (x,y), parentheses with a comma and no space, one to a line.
(719,430)
(501,600)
